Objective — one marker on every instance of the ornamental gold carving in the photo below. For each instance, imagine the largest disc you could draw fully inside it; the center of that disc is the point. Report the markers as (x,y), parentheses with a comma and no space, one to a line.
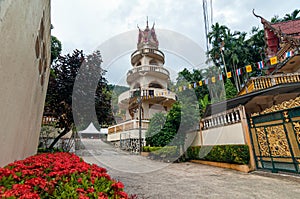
(297,130)
(292,103)
(277,141)
(262,141)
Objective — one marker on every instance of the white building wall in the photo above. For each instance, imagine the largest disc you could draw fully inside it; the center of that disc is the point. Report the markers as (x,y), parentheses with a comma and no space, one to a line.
(24,71)
(231,134)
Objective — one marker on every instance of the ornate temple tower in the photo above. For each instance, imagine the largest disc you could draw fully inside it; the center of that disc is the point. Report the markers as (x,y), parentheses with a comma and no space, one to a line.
(148,77)
(148,82)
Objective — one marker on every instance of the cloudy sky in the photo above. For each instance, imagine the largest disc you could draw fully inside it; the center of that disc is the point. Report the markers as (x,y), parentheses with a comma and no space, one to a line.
(86,24)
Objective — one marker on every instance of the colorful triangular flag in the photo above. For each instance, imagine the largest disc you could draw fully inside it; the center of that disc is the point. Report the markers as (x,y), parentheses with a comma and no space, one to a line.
(190,86)
(200,83)
(229,75)
(238,72)
(273,60)
(206,81)
(220,77)
(213,79)
(195,85)
(288,54)
(249,68)
(260,64)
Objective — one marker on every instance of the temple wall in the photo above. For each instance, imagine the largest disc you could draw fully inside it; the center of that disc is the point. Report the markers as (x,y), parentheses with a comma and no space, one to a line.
(232,134)
(24,70)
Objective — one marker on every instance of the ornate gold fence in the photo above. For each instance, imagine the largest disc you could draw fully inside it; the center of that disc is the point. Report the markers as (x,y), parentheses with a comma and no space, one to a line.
(276,140)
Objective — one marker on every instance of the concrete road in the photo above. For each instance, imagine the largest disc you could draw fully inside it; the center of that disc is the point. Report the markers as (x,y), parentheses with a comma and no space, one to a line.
(152,179)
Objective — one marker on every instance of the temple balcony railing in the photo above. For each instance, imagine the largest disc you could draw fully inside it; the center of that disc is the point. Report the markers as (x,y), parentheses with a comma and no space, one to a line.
(147,93)
(222,119)
(127,126)
(264,82)
(148,68)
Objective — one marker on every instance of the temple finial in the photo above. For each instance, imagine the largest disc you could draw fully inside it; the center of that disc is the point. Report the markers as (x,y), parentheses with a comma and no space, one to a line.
(255,14)
(147,22)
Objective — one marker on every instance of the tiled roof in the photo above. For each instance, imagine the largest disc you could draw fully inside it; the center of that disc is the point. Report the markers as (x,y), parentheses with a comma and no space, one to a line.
(291,28)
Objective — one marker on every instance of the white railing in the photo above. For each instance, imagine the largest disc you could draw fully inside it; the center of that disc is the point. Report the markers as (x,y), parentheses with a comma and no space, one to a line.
(148,68)
(128,125)
(148,93)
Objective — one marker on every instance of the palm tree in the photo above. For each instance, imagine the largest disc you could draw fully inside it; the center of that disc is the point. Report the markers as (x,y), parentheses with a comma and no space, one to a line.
(291,16)
(217,38)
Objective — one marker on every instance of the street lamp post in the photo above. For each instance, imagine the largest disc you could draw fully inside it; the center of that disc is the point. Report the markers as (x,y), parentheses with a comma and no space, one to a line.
(140,120)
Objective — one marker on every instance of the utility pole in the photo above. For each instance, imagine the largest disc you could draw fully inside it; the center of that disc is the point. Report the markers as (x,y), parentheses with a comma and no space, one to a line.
(140,120)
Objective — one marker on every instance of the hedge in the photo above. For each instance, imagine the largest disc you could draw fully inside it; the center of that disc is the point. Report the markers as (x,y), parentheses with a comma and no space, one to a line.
(235,154)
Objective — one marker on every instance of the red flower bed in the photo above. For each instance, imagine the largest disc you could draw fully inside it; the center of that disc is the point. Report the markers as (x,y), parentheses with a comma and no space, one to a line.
(57,175)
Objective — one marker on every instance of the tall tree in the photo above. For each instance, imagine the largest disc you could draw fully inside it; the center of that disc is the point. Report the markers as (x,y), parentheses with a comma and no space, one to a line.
(61,92)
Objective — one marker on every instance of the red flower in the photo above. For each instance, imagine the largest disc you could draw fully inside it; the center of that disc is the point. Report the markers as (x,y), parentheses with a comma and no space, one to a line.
(118,185)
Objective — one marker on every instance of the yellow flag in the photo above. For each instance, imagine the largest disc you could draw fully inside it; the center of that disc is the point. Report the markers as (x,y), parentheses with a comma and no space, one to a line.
(213,79)
(200,83)
(190,86)
(273,60)
(249,68)
(229,75)
(180,88)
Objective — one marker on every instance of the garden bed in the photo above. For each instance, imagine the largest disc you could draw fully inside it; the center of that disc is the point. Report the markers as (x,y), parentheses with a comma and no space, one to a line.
(57,175)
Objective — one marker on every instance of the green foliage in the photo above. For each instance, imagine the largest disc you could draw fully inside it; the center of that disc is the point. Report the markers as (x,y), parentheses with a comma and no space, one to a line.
(235,50)
(287,17)
(151,148)
(230,89)
(236,154)
(91,94)
(116,90)
(52,150)
(55,48)
(188,77)
(167,152)
(162,129)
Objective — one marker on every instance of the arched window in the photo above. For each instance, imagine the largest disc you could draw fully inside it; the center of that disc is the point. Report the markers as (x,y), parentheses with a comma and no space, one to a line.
(139,63)
(153,62)
(155,85)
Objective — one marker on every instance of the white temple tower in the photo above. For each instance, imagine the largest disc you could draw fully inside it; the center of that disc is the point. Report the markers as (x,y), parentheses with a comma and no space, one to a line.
(149,76)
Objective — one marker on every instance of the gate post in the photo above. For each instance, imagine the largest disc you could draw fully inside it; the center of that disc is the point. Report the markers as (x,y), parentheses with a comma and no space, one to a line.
(246,126)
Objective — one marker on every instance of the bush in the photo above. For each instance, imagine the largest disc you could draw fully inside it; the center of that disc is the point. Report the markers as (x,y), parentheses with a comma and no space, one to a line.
(236,154)
(151,148)
(57,175)
(164,152)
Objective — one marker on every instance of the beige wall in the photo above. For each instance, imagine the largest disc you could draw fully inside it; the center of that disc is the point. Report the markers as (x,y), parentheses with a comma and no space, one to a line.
(231,134)
(24,70)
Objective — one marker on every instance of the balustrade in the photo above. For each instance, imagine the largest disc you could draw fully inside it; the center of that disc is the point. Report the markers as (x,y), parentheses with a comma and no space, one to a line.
(260,83)
(126,126)
(227,118)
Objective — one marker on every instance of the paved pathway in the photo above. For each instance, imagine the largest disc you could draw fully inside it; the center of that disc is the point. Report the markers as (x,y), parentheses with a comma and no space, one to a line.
(185,180)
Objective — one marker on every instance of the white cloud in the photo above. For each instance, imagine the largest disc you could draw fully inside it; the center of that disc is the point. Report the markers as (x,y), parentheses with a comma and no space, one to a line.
(85,24)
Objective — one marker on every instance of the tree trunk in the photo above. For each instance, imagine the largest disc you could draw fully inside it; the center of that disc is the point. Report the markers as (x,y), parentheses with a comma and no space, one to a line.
(64,132)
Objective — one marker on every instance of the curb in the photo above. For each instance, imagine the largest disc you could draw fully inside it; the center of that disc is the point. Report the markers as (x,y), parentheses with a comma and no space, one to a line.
(237,167)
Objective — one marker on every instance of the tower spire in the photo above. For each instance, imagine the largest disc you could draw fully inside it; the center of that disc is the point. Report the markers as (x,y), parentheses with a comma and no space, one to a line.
(147,23)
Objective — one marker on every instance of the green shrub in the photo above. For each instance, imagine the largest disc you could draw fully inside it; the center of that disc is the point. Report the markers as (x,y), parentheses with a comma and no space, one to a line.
(236,154)
(151,148)
(164,152)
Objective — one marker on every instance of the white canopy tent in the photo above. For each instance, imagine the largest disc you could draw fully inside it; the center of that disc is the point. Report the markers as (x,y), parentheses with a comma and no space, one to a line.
(91,132)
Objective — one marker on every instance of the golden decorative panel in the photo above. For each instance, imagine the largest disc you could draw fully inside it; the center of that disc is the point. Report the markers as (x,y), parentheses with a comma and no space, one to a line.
(297,130)
(292,103)
(278,142)
(262,141)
